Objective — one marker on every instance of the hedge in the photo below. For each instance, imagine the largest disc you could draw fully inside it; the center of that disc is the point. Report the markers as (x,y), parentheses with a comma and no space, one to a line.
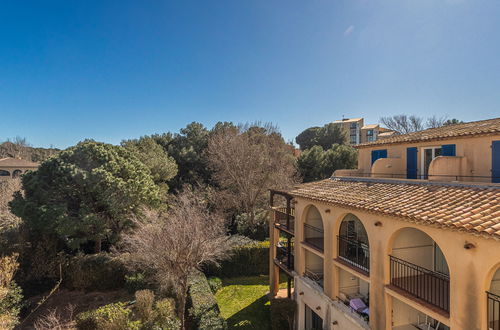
(94,272)
(203,312)
(247,260)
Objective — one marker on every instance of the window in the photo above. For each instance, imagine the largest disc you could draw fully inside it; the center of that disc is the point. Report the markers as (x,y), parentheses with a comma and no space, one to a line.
(4,173)
(313,320)
(428,155)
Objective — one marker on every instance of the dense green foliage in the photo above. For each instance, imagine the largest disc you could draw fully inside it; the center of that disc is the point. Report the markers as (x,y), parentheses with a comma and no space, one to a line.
(325,137)
(86,193)
(215,284)
(283,313)
(163,167)
(316,163)
(204,311)
(113,316)
(255,254)
(94,272)
(187,149)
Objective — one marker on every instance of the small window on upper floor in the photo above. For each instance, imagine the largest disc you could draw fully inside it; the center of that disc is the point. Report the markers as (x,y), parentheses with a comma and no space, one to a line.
(428,155)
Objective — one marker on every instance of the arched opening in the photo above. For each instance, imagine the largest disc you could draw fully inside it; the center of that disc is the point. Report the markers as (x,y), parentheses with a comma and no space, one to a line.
(314,267)
(313,229)
(353,246)
(493,294)
(4,173)
(419,270)
(16,173)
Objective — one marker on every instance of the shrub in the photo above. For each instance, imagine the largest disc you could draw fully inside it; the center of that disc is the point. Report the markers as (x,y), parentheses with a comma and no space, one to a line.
(97,272)
(165,317)
(255,254)
(109,317)
(144,300)
(215,284)
(135,282)
(283,313)
(204,312)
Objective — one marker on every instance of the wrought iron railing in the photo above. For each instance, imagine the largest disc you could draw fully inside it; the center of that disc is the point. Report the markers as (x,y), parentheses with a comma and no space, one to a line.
(316,276)
(493,311)
(284,257)
(427,285)
(354,252)
(284,219)
(314,236)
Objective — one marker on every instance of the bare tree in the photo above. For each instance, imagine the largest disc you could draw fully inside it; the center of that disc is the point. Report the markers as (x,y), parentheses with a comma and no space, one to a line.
(247,161)
(174,244)
(403,124)
(17,147)
(54,320)
(435,122)
(7,189)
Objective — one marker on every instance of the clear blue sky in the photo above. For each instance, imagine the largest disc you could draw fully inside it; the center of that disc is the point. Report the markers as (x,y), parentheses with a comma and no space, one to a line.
(110,70)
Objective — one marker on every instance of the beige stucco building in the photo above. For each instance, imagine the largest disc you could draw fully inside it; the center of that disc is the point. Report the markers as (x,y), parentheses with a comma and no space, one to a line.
(357,132)
(409,240)
(13,167)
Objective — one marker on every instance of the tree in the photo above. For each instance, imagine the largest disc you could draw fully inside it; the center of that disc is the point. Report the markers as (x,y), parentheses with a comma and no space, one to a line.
(317,164)
(247,161)
(307,139)
(331,134)
(403,124)
(163,167)
(7,190)
(85,194)
(171,246)
(325,136)
(435,122)
(452,121)
(187,148)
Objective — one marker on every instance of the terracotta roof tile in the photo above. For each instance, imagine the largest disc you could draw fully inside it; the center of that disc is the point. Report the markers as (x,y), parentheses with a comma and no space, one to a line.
(483,127)
(472,208)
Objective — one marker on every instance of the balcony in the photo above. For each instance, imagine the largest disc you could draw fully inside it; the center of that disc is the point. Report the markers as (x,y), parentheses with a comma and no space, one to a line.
(355,253)
(284,219)
(430,287)
(315,275)
(313,236)
(285,258)
(493,311)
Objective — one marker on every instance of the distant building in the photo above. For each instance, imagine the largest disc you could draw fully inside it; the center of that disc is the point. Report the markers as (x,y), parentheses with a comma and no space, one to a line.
(357,132)
(12,167)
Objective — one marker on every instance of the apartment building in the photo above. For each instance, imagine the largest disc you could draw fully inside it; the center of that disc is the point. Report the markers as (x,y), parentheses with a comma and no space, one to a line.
(358,133)
(409,240)
(14,167)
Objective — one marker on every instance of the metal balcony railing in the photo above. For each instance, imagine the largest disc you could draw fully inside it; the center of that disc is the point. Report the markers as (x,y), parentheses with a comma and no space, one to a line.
(314,236)
(283,219)
(493,311)
(316,276)
(429,286)
(354,252)
(285,258)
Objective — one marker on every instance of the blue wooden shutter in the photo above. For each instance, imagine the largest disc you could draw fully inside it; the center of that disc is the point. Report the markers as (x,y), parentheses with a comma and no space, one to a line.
(495,161)
(411,163)
(376,154)
(448,150)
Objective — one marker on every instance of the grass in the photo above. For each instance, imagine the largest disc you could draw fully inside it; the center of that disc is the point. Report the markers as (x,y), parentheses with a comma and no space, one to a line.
(243,302)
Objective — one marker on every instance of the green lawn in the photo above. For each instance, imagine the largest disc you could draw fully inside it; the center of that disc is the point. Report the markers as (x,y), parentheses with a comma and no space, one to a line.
(243,302)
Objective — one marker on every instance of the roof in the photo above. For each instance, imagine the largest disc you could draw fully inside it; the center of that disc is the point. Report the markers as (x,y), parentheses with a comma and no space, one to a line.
(470,208)
(15,162)
(482,127)
(347,120)
(370,126)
